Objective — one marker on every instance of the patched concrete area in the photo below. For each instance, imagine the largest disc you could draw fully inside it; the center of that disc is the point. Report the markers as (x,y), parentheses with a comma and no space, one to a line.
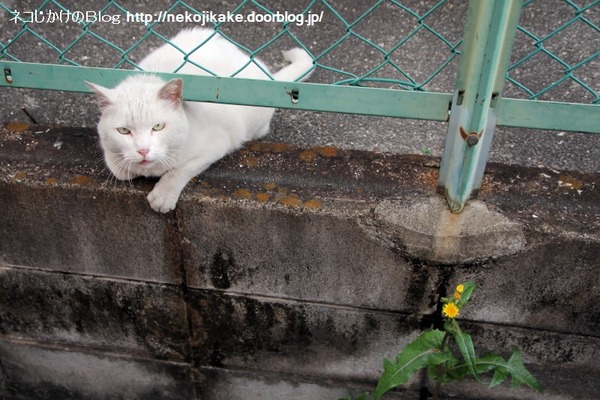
(284,273)
(426,229)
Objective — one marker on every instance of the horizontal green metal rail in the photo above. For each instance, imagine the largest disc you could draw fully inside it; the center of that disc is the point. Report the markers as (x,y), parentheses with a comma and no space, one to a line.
(311,96)
(549,115)
(266,93)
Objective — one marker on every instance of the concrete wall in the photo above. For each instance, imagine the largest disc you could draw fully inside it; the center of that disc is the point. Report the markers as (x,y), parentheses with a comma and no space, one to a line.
(283,273)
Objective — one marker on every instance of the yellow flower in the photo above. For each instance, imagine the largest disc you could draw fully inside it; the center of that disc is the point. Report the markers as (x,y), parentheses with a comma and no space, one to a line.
(460,288)
(450,310)
(456,296)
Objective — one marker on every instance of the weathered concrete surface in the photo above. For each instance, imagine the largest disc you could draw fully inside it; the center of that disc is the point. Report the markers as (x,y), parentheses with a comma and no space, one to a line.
(313,256)
(427,230)
(31,371)
(279,274)
(94,312)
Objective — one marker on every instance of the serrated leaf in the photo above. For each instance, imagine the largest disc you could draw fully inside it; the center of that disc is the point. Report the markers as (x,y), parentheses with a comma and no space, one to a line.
(514,368)
(423,351)
(520,374)
(465,346)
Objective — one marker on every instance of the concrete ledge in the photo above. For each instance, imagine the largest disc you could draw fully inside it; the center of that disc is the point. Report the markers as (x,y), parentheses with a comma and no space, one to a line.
(44,372)
(227,384)
(97,313)
(52,227)
(317,256)
(284,262)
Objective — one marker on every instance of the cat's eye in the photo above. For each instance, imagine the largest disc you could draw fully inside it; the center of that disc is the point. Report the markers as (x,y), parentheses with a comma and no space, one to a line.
(158,127)
(123,131)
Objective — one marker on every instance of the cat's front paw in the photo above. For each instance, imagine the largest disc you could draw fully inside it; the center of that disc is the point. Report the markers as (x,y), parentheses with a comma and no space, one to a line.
(162,200)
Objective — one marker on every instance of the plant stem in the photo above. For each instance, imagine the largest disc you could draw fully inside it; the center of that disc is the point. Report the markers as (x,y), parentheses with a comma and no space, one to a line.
(438,385)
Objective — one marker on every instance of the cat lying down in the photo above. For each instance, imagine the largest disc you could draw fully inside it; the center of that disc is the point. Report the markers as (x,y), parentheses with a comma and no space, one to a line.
(146,129)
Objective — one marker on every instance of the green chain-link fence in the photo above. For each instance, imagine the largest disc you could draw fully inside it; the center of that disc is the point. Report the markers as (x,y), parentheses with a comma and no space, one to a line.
(364,49)
(564,67)
(28,23)
(24,24)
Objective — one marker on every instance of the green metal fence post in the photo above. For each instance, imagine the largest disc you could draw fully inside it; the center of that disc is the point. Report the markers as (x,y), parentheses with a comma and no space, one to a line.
(489,35)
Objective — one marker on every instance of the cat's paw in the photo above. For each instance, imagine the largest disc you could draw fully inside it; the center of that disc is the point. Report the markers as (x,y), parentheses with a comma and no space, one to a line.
(162,200)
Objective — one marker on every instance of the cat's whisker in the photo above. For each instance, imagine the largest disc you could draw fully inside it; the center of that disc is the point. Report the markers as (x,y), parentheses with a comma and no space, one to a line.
(129,173)
(101,163)
(124,164)
(171,162)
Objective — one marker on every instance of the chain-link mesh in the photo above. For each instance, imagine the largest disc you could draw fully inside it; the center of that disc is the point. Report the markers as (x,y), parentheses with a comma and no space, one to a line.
(385,43)
(548,63)
(389,54)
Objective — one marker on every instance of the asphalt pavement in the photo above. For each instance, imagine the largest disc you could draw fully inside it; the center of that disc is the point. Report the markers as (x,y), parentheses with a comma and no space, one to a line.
(419,56)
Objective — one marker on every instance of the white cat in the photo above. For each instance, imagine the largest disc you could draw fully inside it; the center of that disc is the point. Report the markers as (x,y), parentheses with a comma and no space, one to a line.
(146,129)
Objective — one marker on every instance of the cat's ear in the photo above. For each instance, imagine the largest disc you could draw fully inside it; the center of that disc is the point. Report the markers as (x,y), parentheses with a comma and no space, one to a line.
(102,95)
(172,92)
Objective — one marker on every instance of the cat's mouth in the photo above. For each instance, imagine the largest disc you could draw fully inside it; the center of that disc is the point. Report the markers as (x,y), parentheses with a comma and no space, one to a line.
(145,162)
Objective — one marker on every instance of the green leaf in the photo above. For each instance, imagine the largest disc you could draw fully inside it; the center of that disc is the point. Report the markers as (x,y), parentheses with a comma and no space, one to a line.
(423,351)
(519,373)
(469,287)
(500,375)
(465,346)
(482,365)
(440,373)
(514,368)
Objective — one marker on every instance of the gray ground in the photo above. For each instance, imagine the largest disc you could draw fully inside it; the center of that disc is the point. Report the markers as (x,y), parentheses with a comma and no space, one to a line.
(420,56)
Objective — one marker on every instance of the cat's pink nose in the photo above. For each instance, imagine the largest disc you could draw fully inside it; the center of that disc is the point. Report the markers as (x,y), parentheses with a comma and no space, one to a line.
(144,152)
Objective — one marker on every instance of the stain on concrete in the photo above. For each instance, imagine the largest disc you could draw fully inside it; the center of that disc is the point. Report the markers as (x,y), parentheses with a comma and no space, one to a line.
(223,265)
(17,126)
(82,180)
(326,151)
(243,194)
(266,147)
(262,197)
(570,182)
(250,161)
(291,201)
(103,314)
(418,286)
(307,156)
(20,176)
(313,204)
(428,230)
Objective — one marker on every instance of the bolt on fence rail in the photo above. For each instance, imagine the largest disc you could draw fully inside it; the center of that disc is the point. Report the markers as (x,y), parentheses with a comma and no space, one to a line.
(384,86)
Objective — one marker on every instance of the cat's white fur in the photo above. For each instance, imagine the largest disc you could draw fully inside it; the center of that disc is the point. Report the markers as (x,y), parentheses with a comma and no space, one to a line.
(194,134)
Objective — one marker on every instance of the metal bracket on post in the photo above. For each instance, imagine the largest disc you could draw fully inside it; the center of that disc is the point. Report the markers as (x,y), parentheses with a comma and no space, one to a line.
(489,35)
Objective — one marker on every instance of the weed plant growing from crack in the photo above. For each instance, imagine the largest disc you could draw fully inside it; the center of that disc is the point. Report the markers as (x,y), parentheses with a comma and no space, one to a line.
(446,361)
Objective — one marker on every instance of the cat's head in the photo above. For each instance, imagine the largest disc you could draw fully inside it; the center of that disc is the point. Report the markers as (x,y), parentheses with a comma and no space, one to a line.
(142,126)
